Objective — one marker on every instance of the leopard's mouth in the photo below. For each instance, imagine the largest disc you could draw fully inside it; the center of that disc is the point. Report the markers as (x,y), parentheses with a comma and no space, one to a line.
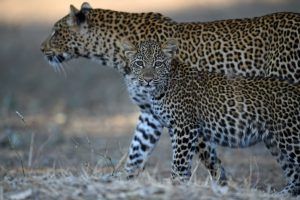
(149,86)
(56,61)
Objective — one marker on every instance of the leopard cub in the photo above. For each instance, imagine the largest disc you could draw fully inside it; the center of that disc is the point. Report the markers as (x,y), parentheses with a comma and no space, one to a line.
(222,110)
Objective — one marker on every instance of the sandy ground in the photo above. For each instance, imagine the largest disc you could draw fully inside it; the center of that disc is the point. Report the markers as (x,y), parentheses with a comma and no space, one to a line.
(78,127)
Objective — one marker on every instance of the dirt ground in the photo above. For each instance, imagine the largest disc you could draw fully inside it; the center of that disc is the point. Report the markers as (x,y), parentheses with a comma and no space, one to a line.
(76,128)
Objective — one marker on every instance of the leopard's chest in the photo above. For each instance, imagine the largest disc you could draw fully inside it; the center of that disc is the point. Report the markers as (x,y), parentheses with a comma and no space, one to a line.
(137,93)
(163,109)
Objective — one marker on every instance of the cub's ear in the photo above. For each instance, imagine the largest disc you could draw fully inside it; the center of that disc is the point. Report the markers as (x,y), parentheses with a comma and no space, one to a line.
(129,49)
(77,17)
(170,47)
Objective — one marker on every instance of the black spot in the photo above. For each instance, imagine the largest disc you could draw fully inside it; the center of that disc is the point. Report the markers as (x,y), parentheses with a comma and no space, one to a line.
(141,119)
(152,139)
(135,148)
(202,145)
(153,126)
(133,156)
(143,146)
(145,136)
(232,131)
(138,161)
(160,96)
(185,140)
(60,58)
(157,133)
(135,99)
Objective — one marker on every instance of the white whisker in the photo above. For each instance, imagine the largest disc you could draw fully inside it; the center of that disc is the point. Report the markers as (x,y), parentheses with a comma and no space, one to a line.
(57,65)
(63,69)
(53,66)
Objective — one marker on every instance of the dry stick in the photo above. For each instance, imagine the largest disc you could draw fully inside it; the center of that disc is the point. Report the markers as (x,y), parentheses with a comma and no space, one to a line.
(104,156)
(121,162)
(11,144)
(91,148)
(193,175)
(1,193)
(21,117)
(18,155)
(31,150)
(41,147)
(110,160)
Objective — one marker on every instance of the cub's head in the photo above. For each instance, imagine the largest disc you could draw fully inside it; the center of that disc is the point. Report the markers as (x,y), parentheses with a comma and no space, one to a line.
(68,38)
(150,62)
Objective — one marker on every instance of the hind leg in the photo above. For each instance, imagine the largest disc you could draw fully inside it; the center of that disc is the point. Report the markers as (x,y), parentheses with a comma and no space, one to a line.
(208,156)
(288,156)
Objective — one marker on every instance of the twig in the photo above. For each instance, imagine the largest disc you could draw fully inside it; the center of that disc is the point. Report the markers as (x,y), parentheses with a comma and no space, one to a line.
(1,193)
(91,148)
(107,159)
(194,172)
(18,155)
(41,147)
(21,117)
(110,160)
(121,162)
(31,150)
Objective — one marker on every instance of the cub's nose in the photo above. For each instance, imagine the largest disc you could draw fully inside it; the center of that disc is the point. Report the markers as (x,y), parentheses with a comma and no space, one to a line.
(148,79)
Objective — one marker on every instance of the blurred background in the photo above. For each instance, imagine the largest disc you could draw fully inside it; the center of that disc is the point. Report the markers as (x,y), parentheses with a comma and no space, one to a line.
(82,116)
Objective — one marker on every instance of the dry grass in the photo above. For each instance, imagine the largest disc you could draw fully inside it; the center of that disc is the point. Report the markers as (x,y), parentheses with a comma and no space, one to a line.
(87,166)
(64,184)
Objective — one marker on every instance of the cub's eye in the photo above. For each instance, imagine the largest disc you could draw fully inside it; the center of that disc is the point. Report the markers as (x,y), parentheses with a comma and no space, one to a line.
(158,64)
(139,63)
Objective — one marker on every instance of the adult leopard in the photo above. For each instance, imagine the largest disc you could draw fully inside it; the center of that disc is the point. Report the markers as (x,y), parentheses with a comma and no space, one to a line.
(229,111)
(260,46)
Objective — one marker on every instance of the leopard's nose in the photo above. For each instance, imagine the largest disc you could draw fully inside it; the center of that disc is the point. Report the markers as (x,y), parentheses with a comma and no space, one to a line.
(42,47)
(45,46)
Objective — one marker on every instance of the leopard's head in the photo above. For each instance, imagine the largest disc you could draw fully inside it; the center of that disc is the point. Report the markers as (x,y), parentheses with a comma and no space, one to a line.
(150,62)
(70,37)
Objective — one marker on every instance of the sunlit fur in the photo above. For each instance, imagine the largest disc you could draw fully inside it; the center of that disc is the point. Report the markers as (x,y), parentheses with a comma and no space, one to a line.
(260,46)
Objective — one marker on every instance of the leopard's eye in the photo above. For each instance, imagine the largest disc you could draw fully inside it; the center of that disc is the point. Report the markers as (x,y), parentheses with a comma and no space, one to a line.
(139,63)
(158,64)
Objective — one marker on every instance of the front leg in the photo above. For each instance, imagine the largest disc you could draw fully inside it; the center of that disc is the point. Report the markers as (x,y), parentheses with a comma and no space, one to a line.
(184,143)
(146,136)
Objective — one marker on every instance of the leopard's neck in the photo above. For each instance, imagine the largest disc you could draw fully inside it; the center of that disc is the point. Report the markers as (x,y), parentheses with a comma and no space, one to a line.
(112,28)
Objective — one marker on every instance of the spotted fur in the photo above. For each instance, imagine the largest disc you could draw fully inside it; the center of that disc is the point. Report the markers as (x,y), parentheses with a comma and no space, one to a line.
(260,46)
(228,111)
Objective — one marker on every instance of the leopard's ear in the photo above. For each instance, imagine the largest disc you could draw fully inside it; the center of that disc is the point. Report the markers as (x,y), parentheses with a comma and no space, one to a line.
(128,48)
(77,17)
(170,47)
(72,15)
(73,10)
(85,7)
